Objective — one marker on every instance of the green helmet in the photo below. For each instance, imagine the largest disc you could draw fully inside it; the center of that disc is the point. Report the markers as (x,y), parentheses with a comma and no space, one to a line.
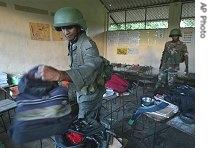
(175,32)
(68,16)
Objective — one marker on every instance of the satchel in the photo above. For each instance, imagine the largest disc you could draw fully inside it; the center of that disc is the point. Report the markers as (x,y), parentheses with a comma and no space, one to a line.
(43,110)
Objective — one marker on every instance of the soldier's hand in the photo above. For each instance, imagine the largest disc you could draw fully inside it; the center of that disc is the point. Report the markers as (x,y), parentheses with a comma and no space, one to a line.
(48,73)
(186,71)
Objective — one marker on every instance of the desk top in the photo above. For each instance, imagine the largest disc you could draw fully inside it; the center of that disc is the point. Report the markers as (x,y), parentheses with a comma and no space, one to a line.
(177,123)
(7,104)
(163,114)
(146,82)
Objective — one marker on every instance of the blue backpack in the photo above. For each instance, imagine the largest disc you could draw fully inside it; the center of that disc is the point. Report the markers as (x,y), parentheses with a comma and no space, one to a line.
(43,110)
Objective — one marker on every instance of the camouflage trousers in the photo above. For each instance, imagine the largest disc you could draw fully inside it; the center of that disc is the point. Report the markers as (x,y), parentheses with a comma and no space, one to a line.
(166,78)
(90,110)
(87,109)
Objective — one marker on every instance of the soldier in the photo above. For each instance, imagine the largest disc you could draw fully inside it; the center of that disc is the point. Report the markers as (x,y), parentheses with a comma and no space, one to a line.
(84,67)
(174,53)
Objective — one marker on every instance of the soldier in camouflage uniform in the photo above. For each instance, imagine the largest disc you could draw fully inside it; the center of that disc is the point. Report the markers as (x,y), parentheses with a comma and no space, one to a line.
(174,53)
(84,66)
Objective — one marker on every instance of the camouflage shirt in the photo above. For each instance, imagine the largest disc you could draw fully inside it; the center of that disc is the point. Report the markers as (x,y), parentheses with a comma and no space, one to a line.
(173,54)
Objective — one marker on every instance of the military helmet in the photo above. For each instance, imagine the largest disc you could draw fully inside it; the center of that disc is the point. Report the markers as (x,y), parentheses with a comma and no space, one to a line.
(68,16)
(175,32)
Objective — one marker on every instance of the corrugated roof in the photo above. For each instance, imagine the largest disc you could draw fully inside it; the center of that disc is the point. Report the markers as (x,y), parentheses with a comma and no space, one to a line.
(115,5)
(139,15)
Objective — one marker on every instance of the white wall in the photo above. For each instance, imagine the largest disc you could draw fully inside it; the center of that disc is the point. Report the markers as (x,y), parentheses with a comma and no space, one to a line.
(149,49)
(150,45)
(18,53)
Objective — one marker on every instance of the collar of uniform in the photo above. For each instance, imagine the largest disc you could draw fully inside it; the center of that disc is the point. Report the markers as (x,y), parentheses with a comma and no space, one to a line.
(178,42)
(74,44)
(80,38)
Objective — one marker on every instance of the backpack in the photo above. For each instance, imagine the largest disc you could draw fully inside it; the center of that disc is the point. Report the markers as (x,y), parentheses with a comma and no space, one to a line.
(43,110)
(105,72)
(184,97)
(117,83)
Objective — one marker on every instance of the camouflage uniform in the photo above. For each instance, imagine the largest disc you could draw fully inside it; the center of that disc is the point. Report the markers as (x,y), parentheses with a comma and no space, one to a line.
(85,65)
(173,54)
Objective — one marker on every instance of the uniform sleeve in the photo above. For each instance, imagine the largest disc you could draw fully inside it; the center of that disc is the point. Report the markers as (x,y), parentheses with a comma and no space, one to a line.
(85,74)
(163,58)
(184,50)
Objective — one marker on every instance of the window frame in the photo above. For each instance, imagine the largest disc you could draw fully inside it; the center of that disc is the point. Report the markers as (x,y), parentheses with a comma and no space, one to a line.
(110,26)
(185,18)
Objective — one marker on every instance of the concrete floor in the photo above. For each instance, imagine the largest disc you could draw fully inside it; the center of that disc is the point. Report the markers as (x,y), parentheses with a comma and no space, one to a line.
(172,138)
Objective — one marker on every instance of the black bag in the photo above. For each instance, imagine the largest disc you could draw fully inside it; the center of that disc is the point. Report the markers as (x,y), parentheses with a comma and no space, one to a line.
(184,97)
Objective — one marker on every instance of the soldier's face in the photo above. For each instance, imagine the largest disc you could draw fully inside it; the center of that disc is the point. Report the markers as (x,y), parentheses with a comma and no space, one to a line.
(175,38)
(70,32)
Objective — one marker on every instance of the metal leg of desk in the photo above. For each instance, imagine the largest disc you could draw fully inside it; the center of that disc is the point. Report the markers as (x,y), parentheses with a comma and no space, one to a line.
(4,125)
(154,136)
(40,143)
(157,136)
(10,121)
(111,116)
(123,112)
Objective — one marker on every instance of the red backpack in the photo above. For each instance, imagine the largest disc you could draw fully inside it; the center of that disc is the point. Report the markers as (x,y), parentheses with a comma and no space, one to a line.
(117,83)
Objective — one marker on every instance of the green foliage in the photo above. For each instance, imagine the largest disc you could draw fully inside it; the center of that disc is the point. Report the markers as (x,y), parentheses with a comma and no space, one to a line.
(189,22)
(157,24)
(139,25)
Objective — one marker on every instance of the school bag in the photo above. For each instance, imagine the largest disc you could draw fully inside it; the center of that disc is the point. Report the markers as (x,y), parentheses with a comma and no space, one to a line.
(43,110)
(117,83)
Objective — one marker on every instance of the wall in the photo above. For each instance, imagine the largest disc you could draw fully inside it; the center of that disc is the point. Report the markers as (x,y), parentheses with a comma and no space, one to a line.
(150,43)
(18,53)
(148,49)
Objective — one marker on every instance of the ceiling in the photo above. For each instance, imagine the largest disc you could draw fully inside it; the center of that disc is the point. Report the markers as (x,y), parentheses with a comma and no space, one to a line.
(115,5)
(133,15)
(52,5)
(110,5)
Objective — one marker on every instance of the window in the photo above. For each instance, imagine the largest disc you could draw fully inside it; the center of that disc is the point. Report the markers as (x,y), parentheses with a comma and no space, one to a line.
(114,27)
(190,22)
(156,24)
(188,15)
(133,26)
(146,18)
